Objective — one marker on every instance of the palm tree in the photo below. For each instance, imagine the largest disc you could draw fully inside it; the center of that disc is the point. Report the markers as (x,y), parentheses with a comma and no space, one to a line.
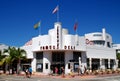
(10,57)
(13,55)
(20,54)
(118,57)
(1,57)
(3,60)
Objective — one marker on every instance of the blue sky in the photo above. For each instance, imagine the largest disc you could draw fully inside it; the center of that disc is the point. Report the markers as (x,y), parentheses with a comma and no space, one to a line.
(17,18)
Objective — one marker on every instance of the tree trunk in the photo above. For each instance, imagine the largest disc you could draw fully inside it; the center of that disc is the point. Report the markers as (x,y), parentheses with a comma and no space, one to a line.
(18,67)
(10,68)
(6,68)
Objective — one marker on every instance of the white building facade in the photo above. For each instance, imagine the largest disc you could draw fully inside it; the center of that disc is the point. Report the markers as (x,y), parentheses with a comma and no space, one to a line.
(61,49)
(99,51)
(117,47)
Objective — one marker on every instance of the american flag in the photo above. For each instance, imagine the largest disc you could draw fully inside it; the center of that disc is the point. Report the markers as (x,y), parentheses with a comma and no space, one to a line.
(56,9)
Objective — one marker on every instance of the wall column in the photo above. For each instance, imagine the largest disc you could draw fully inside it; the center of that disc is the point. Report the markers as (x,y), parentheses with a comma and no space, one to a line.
(46,62)
(79,61)
(90,62)
(117,63)
(68,56)
(101,63)
(108,63)
(33,63)
(83,59)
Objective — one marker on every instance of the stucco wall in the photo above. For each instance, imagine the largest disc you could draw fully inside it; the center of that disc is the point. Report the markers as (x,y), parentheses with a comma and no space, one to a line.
(100,52)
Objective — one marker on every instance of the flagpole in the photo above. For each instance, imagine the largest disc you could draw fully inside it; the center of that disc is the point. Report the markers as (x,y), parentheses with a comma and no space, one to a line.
(39,31)
(76,31)
(58,14)
(40,28)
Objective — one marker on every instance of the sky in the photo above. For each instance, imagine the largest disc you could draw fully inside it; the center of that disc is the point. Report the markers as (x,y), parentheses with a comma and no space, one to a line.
(17,18)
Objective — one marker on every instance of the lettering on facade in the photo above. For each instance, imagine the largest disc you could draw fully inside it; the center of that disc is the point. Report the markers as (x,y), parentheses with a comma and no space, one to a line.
(55,47)
(58,37)
(69,47)
(50,47)
(89,42)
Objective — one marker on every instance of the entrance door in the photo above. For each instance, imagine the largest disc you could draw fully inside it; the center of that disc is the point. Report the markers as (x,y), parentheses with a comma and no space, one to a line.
(58,61)
(53,66)
(95,64)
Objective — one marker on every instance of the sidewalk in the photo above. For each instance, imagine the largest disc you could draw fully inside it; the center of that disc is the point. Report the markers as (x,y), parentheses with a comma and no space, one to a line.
(83,77)
(76,76)
(65,77)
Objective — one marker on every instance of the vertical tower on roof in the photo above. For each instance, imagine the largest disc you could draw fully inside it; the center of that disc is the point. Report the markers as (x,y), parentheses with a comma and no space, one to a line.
(58,28)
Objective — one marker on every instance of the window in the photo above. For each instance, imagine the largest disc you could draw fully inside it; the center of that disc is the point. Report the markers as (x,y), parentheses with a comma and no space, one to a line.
(76,56)
(39,55)
(68,65)
(99,42)
(108,44)
(97,34)
(88,64)
(58,56)
(39,67)
(39,61)
(46,65)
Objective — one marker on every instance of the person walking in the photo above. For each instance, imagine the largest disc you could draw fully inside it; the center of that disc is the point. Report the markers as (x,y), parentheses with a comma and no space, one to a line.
(56,71)
(26,72)
(82,69)
(78,70)
(63,71)
(30,71)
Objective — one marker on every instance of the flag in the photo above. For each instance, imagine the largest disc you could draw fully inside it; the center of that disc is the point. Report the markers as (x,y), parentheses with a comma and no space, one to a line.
(55,10)
(75,26)
(37,25)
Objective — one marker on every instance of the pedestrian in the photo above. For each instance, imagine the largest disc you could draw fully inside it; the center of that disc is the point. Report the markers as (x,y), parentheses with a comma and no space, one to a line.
(78,70)
(63,71)
(30,71)
(56,70)
(71,71)
(85,69)
(26,72)
(82,69)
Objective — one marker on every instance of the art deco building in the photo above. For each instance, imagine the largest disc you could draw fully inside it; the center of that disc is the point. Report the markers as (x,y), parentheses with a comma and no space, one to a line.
(60,49)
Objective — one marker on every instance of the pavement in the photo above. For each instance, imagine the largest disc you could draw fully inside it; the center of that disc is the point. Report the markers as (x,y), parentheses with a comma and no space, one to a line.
(104,77)
(91,76)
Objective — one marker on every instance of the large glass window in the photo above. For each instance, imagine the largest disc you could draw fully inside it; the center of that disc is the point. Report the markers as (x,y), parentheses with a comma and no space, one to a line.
(39,61)
(112,62)
(95,64)
(88,64)
(58,57)
(76,56)
(99,42)
(106,64)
